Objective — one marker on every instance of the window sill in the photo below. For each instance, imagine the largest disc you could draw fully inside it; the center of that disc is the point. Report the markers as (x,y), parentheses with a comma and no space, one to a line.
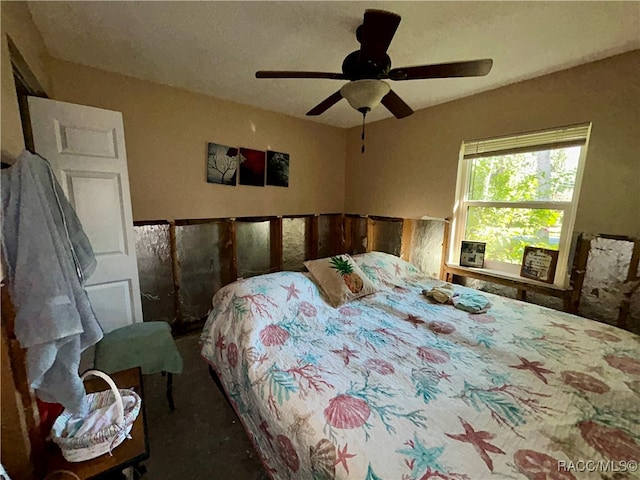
(506,278)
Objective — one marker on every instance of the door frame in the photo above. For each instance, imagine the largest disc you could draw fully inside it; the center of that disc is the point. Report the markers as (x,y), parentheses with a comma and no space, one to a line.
(27,84)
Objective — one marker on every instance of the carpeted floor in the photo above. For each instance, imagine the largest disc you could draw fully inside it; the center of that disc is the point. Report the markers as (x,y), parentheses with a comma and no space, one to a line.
(202,438)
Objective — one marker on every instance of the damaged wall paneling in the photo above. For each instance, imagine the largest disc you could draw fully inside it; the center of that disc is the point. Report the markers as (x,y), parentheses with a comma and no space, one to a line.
(629,316)
(384,234)
(182,263)
(610,291)
(355,233)
(424,244)
(155,267)
(295,248)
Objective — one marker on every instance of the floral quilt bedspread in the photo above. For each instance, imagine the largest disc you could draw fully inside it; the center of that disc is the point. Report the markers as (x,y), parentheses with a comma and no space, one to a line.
(395,387)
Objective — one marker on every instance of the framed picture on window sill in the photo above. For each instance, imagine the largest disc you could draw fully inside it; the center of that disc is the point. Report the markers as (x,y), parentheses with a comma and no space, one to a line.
(539,264)
(472,254)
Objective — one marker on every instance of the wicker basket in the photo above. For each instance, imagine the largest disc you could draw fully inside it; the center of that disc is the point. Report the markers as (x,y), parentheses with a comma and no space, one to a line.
(86,447)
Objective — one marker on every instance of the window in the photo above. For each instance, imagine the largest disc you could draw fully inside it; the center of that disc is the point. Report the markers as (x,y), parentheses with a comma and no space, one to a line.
(517,191)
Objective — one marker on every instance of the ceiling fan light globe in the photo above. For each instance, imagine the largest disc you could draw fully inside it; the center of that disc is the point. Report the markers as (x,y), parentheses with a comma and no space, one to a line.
(364,94)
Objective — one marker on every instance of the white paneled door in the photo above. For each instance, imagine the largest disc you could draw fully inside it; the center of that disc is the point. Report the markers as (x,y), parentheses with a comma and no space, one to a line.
(85,147)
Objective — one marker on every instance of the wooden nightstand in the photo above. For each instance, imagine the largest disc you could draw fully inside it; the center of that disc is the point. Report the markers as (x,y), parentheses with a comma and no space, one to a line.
(128,454)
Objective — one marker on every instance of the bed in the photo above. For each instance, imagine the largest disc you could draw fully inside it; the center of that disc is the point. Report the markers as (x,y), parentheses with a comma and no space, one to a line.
(392,386)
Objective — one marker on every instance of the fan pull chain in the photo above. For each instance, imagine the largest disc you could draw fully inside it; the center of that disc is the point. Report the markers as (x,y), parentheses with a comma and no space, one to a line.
(364,114)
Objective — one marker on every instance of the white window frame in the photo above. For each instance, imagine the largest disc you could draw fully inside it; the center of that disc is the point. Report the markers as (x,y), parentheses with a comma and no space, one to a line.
(531,141)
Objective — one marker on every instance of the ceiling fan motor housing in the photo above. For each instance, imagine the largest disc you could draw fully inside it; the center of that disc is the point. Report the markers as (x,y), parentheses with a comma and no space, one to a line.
(356,67)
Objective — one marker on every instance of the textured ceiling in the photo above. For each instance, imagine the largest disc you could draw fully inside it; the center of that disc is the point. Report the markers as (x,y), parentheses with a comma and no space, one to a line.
(216,47)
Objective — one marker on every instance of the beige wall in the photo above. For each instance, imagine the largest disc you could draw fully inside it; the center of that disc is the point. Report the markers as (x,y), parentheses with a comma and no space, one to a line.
(410,166)
(18,24)
(166,133)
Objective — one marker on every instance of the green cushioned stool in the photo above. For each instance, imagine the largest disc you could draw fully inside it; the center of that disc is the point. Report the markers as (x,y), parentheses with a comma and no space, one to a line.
(148,345)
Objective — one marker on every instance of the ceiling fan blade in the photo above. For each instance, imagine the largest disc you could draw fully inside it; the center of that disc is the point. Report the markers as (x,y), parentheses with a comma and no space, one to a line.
(325,104)
(396,105)
(376,33)
(473,68)
(285,74)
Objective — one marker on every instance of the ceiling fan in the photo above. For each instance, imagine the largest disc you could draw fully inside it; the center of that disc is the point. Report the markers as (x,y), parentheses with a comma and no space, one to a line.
(367,68)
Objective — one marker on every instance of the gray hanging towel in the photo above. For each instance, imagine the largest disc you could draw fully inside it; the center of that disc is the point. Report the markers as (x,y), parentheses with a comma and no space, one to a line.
(47,255)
